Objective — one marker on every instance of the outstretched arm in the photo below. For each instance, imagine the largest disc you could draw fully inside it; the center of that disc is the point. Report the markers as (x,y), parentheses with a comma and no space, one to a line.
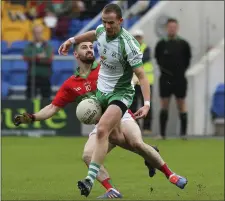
(45,113)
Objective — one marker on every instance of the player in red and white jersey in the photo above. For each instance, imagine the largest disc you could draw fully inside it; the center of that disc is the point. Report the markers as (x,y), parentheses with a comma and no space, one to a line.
(81,85)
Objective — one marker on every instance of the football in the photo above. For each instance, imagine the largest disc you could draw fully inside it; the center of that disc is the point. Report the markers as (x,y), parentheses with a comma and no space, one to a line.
(89,111)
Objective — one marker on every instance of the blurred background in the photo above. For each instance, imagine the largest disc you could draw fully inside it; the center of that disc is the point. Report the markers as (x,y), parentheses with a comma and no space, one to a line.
(47,168)
(32,71)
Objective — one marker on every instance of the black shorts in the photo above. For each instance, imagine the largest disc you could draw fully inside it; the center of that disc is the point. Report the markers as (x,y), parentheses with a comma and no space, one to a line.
(168,87)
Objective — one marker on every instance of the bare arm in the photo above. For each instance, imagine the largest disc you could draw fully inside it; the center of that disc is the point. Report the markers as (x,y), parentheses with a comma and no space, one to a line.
(89,36)
(46,112)
(143,80)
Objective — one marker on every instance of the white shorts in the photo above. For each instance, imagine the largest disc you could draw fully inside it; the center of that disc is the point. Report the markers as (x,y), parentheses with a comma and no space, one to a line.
(126,117)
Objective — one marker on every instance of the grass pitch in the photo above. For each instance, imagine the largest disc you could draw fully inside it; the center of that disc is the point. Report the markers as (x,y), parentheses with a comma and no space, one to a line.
(48,169)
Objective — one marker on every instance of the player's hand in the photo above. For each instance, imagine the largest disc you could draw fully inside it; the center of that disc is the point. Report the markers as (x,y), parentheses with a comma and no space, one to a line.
(142,112)
(24,118)
(64,48)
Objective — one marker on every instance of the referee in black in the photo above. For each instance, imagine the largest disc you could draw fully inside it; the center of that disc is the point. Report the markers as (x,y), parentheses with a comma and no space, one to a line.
(173,55)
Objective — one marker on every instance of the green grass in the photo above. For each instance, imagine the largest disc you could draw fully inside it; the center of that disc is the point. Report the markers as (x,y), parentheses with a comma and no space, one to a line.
(48,169)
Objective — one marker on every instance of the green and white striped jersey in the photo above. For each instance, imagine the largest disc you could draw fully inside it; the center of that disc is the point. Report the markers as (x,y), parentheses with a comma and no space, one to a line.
(118,57)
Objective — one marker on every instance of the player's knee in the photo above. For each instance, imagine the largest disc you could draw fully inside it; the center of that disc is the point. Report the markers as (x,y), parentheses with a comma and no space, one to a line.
(102,132)
(86,157)
(137,145)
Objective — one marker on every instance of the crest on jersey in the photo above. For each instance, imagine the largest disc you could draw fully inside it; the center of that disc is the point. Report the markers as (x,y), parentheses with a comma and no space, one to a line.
(87,86)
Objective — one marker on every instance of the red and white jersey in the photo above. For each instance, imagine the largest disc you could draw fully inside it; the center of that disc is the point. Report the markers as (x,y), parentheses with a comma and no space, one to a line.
(76,87)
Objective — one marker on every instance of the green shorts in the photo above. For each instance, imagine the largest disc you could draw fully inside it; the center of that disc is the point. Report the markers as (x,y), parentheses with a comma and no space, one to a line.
(125,96)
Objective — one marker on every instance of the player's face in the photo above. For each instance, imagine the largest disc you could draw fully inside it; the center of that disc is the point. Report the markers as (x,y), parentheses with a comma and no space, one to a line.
(111,23)
(85,52)
(172,28)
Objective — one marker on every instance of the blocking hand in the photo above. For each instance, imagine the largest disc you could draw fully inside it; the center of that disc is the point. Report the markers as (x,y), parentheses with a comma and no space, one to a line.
(24,118)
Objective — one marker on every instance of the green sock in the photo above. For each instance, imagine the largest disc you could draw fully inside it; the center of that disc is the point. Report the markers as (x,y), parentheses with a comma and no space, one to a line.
(93,171)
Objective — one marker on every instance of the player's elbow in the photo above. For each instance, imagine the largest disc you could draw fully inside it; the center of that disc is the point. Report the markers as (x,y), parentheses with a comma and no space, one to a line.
(140,73)
(53,109)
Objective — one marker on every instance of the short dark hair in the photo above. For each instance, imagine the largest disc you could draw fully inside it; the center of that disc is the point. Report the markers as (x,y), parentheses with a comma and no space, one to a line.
(112,7)
(172,20)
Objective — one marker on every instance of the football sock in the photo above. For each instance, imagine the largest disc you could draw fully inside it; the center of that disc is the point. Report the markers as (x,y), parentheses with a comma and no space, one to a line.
(183,121)
(107,183)
(93,171)
(166,170)
(163,121)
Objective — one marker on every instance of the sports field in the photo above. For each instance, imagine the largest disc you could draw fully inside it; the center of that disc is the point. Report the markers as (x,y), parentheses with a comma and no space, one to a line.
(48,168)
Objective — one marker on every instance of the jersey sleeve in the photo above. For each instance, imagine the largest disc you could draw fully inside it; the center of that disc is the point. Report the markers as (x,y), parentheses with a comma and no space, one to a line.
(99,30)
(64,96)
(133,53)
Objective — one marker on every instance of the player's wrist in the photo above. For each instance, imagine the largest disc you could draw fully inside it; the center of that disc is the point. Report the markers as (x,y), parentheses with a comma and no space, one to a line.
(72,40)
(32,117)
(147,103)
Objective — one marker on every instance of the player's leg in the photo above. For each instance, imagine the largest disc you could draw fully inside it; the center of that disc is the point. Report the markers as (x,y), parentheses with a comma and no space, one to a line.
(134,139)
(180,93)
(103,175)
(120,140)
(165,88)
(108,121)
(116,105)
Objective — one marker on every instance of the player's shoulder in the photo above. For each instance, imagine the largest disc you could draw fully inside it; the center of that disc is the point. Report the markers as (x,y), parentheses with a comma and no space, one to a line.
(129,41)
(96,68)
(99,30)
(126,35)
(68,81)
(100,26)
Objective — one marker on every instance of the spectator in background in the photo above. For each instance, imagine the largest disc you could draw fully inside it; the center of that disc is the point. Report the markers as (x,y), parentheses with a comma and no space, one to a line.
(46,30)
(36,9)
(60,10)
(148,67)
(39,56)
(78,7)
(173,55)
